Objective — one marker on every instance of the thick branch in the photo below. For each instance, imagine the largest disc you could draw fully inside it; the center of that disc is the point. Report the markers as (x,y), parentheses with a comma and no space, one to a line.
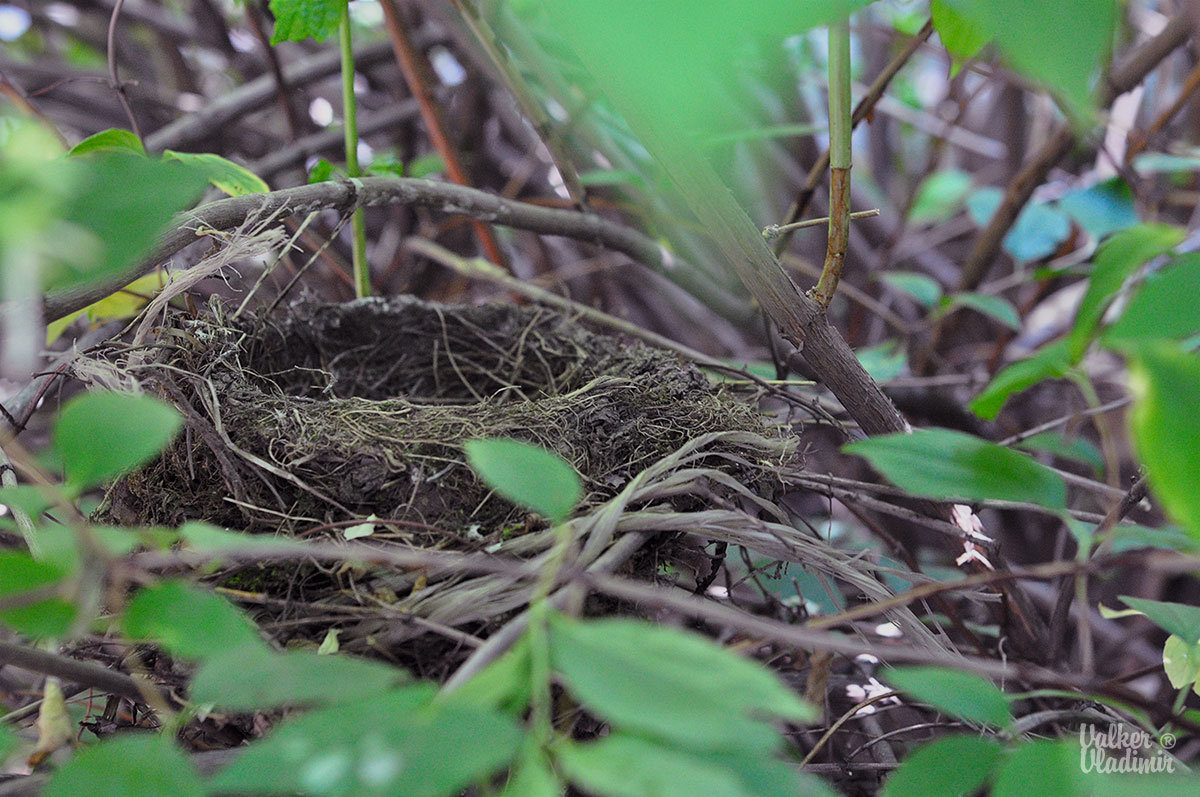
(226,214)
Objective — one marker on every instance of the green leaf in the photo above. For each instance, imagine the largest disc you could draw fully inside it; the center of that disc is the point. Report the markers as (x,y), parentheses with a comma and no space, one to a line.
(1061,45)
(111,140)
(1141,785)
(961,38)
(20,574)
(206,537)
(188,621)
(598,178)
(1038,231)
(951,766)
(502,685)
(1175,618)
(1118,258)
(1042,768)
(1148,163)
(102,434)
(391,743)
(527,475)
(960,694)
(128,765)
(925,290)
(1132,537)
(1076,449)
(886,361)
(995,307)
(532,776)
(426,166)
(32,499)
(254,678)
(297,20)
(1050,362)
(944,464)
(1101,209)
(1166,427)
(1164,308)
(232,178)
(1181,661)
(941,194)
(674,685)
(621,765)
(8,742)
(321,171)
(122,202)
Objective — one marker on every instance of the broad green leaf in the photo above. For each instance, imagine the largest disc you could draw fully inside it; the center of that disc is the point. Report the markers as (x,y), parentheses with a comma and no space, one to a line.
(425,166)
(502,685)
(1101,209)
(944,464)
(1162,163)
(1041,768)
(1139,784)
(232,178)
(961,38)
(995,307)
(1166,427)
(597,178)
(883,362)
(252,677)
(122,202)
(1181,661)
(702,695)
(621,765)
(206,537)
(1038,231)
(1061,45)
(925,290)
(20,574)
(527,475)
(102,434)
(532,776)
(111,140)
(1175,618)
(1076,449)
(1164,307)
(950,766)
(128,765)
(126,302)
(1118,258)
(1132,537)
(189,622)
(391,743)
(1050,362)
(958,693)
(321,171)
(297,20)
(8,742)
(32,499)
(940,195)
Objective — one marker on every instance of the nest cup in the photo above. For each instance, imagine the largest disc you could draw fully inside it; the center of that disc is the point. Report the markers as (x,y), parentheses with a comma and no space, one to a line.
(300,423)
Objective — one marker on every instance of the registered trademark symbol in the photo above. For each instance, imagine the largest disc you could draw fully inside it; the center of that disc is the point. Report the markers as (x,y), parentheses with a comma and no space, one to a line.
(1167,740)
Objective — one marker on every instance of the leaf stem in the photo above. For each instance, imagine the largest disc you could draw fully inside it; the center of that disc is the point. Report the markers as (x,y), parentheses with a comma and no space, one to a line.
(362,272)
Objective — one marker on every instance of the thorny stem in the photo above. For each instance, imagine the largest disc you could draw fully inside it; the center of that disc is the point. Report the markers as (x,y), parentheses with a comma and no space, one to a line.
(362,272)
(839,162)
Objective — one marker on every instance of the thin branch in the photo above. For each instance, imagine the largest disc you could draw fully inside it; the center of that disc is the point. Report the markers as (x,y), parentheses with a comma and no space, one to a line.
(115,78)
(68,669)
(341,196)
(415,69)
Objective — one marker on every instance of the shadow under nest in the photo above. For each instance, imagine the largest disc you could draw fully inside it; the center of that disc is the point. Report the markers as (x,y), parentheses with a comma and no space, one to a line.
(323,416)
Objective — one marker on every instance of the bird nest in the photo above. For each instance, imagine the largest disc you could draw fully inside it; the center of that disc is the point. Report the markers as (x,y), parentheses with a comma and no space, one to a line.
(307,424)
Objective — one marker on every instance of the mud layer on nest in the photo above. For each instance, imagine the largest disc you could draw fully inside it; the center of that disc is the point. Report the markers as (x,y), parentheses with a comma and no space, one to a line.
(335,412)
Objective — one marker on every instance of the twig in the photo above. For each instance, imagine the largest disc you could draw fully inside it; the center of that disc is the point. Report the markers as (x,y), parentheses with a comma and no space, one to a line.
(115,79)
(69,669)
(861,111)
(415,69)
(775,230)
